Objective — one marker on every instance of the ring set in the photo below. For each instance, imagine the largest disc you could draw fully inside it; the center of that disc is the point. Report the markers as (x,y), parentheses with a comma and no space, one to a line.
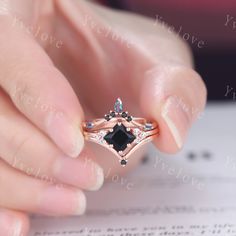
(120,132)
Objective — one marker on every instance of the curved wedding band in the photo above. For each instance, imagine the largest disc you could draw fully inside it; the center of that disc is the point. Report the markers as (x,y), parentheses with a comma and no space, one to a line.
(120,132)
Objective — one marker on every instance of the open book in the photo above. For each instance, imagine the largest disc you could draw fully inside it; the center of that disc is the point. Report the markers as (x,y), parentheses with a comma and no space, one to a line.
(191,193)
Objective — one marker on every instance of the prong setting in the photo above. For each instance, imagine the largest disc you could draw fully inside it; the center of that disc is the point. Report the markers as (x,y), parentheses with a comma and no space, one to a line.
(124,114)
(129,118)
(120,132)
(123,162)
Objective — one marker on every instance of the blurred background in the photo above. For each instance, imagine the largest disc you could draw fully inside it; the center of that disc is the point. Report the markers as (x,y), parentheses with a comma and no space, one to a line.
(208,26)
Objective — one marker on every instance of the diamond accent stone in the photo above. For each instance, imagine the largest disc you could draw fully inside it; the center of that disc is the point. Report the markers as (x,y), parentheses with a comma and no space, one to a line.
(139,134)
(119,137)
(99,137)
(118,107)
(148,126)
(89,125)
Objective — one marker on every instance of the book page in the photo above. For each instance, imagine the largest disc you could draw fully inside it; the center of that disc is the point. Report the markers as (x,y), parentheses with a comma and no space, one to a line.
(190,193)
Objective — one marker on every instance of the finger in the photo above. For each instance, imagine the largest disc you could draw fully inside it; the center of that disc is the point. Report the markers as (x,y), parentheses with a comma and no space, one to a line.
(38,89)
(26,148)
(174,96)
(13,223)
(164,88)
(21,192)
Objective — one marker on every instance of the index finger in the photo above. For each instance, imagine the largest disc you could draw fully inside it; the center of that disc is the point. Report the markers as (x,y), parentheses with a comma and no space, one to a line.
(39,90)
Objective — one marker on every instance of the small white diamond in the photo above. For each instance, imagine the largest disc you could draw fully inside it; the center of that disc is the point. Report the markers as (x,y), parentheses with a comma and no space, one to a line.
(99,137)
(89,125)
(140,135)
(148,126)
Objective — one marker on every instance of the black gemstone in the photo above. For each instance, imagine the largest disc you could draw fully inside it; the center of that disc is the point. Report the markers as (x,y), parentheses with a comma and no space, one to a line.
(112,114)
(123,162)
(124,114)
(129,118)
(107,117)
(119,137)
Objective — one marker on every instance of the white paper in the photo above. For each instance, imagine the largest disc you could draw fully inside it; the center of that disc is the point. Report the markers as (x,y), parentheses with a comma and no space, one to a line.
(191,193)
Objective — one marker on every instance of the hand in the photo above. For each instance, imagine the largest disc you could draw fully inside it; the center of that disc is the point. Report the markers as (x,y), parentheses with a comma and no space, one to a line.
(62,61)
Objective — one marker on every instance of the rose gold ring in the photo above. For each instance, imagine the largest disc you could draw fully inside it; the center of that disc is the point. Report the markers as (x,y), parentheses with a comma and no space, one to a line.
(120,132)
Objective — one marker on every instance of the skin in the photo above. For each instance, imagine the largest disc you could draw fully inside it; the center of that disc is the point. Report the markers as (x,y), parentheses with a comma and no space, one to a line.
(58,63)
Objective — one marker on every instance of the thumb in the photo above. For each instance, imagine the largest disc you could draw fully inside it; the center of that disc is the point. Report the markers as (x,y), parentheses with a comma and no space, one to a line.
(174,96)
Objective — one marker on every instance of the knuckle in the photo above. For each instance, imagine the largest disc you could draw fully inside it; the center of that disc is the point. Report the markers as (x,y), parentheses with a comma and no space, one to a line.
(18,143)
(20,94)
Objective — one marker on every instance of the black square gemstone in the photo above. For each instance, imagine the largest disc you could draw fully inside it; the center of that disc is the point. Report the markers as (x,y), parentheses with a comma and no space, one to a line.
(119,137)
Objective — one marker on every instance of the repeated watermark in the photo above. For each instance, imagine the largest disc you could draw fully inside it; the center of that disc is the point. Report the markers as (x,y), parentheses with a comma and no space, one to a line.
(178,173)
(111,176)
(230,163)
(119,180)
(194,111)
(25,99)
(230,92)
(35,172)
(186,36)
(37,32)
(106,31)
(38,173)
(230,21)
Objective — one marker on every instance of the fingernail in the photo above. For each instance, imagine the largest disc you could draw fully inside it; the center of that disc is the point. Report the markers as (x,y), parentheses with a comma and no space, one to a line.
(9,225)
(99,178)
(177,116)
(81,206)
(82,173)
(17,229)
(60,201)
(77,143)
(66,135)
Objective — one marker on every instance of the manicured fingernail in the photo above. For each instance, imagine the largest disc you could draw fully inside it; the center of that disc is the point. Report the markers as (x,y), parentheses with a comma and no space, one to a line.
(176,115)
(81,206)
(60,201)
(17,229)
(66,135)
(77,142)
(82,173)
(99,178)
(9,225)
